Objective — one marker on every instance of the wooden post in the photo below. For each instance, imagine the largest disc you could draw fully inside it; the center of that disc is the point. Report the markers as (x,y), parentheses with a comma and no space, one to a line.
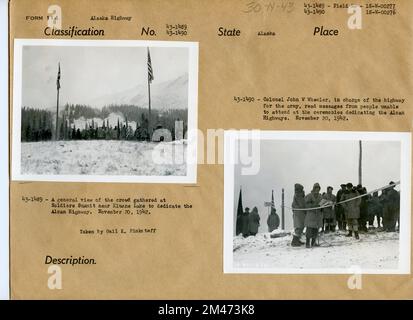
(282,210)
(360,163)
(57,115)
(57,103)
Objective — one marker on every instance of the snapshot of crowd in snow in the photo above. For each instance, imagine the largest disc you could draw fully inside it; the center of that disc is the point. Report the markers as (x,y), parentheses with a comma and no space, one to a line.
(318,218)
(132,122)
(352,209)
(328,221)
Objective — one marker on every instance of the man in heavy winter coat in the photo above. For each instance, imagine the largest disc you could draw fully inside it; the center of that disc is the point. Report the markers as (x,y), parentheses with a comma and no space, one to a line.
(391,209)
(314,217)
(329,214)
(273,220)
(298,215)
(351,209)
(363,208)
(253,222)
(375,209)
(340,217)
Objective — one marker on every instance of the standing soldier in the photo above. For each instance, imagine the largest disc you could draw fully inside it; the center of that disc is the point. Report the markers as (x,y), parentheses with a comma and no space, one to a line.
(351,210)
(238,227)
(253,222)
(398,213)
(341,219)
(298,215)
(329,212)
(273,220)
(391,208)
(383,201)
(313,217)
(244,223)
(363,208)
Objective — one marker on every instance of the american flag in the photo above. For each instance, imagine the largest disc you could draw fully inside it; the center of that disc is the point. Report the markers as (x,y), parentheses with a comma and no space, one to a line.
(58,78)
(150,71)
(272,203)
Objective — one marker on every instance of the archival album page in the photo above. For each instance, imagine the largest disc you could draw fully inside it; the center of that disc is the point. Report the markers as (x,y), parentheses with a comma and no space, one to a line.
(210,149)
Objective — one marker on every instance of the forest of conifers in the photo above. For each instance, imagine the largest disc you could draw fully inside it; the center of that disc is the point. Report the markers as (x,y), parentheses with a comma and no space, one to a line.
(40,124)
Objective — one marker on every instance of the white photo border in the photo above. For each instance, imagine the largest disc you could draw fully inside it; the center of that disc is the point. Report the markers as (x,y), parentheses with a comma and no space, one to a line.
(230,136)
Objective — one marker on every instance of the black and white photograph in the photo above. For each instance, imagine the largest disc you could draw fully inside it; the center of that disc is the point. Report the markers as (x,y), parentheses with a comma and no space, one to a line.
(105,111)
(318,202)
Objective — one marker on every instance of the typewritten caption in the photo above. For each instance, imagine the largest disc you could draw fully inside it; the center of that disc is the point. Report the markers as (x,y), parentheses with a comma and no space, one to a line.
(139,207)
(325,109)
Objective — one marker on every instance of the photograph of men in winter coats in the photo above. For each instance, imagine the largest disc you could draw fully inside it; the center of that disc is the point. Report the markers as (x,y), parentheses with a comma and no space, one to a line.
(351,207)
(339,198)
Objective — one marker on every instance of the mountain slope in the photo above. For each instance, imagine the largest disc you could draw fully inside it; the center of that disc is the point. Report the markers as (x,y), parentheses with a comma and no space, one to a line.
(171,94)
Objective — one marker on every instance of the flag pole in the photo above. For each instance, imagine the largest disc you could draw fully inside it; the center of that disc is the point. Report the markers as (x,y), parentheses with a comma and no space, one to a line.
(150,78)
(360,162)
(272,202)
(57,104)
(57,116)
(149,108)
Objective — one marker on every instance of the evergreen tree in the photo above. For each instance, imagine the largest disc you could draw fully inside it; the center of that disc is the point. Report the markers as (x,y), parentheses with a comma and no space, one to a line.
(118,130)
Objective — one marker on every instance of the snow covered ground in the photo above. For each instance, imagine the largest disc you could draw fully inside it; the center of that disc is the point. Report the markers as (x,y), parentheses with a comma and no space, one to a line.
(374,250)
(103,157)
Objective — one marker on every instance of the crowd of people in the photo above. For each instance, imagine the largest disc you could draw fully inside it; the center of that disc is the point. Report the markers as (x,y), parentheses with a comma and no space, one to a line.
(352,209)
(248,222)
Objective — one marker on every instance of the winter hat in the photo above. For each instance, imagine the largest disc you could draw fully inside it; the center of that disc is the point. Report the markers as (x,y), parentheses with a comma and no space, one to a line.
(329,187)
(316,185)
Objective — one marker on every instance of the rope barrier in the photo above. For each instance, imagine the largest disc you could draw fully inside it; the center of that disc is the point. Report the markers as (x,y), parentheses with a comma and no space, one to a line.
(344,201)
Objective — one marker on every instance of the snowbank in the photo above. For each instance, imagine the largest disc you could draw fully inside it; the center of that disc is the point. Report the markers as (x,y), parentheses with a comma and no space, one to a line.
(98,157)
(374,250)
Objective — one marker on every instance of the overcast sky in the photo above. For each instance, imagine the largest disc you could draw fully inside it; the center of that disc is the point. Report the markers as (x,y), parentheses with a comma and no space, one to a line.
(284,163)
(88,73)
